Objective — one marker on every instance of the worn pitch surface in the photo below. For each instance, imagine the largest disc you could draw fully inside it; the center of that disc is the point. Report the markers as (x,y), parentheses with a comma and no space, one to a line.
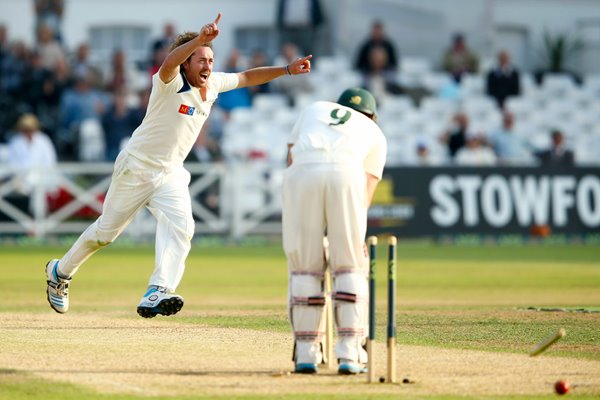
(114,353)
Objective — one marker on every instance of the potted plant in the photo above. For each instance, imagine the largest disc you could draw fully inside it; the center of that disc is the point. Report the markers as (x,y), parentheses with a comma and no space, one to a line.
(556,51)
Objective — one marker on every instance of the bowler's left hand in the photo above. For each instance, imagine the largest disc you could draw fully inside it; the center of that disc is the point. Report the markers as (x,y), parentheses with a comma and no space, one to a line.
(300,66)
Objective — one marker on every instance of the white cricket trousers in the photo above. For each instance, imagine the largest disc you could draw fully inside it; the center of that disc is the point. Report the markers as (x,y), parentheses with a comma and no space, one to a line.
(134,185)
(318,196)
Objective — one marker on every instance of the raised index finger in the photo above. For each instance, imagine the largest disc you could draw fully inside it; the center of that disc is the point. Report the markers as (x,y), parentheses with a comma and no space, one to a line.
(308,57)
(217,19)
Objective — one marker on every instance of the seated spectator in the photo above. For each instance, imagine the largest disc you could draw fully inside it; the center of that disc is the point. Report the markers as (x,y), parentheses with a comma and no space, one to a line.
(380,80)
(291,87)
(160,48)
(120,76)
(168,36)
(78,104)
(4,48)
(157,58)
(475,153)
(425,157)
(42,89)
(259,59)
(81,64)
(49,107)
(139,110)
(118,123)
(510,148)
(50,50)
(207,147)
(237,97)
(459,59)
(377,39)
(49,13)
(456,137)
(503,80)
(450,90)
(557,154)
(12,70)
(31,156)
(29,147)
(13,101)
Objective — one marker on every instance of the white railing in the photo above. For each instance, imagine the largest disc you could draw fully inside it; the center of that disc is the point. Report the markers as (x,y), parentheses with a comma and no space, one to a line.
(231,200)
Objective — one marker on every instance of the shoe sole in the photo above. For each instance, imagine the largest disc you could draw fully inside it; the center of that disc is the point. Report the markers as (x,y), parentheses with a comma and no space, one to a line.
(351,370)
(164,307)
(305,369)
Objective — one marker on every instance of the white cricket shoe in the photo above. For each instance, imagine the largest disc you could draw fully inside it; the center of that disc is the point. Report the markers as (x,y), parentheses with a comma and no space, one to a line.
(158,300)
(58,288)
(349,367)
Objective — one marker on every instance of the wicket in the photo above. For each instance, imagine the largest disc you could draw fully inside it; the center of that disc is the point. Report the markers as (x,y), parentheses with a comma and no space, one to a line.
(328,358)
(391,322)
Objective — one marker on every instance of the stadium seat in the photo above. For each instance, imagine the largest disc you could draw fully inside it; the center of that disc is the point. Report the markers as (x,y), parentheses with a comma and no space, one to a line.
(331,65)
(521,107)
(394,108)
(91,140)
(435,81)
(586,149)
(269,102)
(414,65)
(591,84)
(557,85)
(540,140)
(302,100)
(435,107)
(412,70)
(528,84)
(473,85)
(480,108)
(242,115)
(401,150)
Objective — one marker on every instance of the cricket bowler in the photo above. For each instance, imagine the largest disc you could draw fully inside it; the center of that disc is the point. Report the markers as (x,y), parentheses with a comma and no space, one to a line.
(149,172)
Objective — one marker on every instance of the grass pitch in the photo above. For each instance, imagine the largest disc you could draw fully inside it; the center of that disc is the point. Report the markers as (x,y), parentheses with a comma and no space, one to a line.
(465,326)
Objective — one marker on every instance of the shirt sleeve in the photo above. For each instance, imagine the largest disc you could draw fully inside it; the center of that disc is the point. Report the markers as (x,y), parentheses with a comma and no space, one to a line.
(171,87)
(224,81)
(375,160)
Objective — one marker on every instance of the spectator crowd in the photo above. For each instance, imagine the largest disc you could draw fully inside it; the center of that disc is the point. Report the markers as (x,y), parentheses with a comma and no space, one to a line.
(86,113)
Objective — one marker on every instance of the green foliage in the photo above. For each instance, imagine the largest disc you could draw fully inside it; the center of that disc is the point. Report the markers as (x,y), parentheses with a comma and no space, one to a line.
(557,48)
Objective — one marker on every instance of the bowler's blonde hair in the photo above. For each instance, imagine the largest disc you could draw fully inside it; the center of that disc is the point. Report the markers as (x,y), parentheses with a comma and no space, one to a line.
(186,37)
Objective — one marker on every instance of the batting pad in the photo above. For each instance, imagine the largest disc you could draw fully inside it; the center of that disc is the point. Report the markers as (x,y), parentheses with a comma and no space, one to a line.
(351,310)
(307,313)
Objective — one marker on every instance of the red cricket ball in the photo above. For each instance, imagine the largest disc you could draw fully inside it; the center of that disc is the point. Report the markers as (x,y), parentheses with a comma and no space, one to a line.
(561,387)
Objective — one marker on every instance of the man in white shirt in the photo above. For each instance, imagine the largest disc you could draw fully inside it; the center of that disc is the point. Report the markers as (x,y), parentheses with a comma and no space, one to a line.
(30,148)
(149,171)
(336,158)
(510,147)
(475,153)
(32,157)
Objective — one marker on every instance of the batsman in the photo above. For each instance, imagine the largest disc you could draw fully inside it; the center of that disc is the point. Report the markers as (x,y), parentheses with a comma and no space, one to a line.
(336,156)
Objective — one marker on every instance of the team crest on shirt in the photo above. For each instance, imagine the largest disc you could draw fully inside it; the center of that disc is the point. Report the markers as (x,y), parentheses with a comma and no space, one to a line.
(187,110)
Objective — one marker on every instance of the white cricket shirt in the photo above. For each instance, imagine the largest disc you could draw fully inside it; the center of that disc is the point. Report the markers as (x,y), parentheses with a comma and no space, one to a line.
(328,132)
(175,115)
